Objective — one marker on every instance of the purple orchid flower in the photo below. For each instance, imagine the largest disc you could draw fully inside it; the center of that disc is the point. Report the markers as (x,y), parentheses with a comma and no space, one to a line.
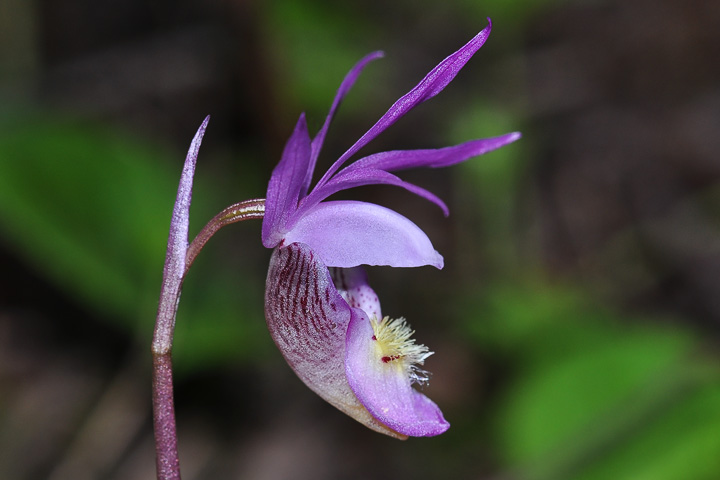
(320,310)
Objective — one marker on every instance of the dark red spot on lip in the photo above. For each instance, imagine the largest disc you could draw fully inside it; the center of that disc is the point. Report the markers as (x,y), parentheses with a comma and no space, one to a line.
(374,337)
(390,358)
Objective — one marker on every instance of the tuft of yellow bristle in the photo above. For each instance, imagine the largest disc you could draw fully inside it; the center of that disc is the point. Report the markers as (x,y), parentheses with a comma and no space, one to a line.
(396,348)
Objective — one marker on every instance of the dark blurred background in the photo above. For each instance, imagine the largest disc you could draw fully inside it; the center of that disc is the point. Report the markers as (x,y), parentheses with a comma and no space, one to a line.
(576,323)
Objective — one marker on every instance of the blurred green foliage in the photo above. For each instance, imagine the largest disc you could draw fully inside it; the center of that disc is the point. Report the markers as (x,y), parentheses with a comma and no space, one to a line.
(298,30)
(66,193)
(89,208)
(591,393)
(589,386)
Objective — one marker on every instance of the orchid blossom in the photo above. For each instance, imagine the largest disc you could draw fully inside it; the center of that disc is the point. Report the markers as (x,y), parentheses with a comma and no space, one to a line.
(322,314)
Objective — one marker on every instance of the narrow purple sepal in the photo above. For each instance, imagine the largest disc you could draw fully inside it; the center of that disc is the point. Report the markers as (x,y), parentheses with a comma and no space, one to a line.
(385,389)
(285,184)
(374,169)
(347,178)
(433,83)
(433,158)
(350,233)
(308,319)
(345,87)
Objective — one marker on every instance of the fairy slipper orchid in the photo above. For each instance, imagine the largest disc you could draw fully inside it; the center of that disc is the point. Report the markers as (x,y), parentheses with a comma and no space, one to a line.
(320,310)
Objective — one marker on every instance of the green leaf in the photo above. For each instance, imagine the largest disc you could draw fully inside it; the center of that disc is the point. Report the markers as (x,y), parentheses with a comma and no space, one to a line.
(596,395)
(680,443)
(554,415)
(89,209)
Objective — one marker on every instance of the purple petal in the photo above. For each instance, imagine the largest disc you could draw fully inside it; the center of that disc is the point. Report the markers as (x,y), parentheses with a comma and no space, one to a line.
(360,177)
(434,158)
(349,233)
(285,183)
(352,283)
(345,87)
(433,83)
(307,318)
(385,389)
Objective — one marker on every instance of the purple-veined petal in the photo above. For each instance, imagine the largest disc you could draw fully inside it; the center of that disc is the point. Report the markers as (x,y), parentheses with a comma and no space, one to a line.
(319,139)
(352,284)
(358,178)
(433,83)
(385,389)
(285,183)
(349,233)
(308,319)
(433,158)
